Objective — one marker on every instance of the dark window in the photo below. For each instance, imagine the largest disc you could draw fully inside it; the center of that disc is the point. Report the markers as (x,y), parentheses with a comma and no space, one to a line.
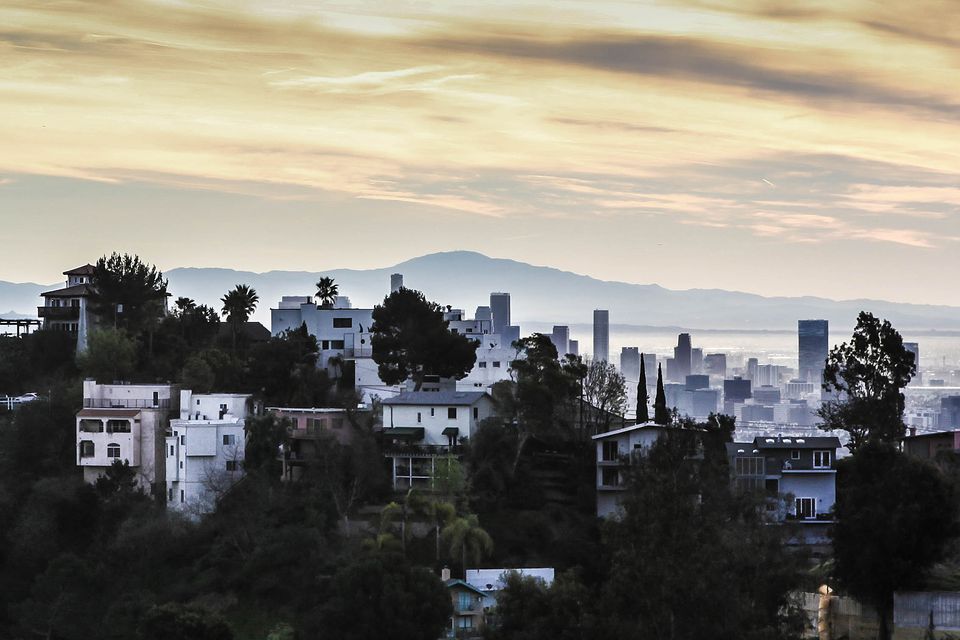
(231,465)
(482,364)
(451,413)
(431,412)
(795,454)
(611,451)
(156,399)
(772,486)
(229,439)
(113,450)
(87,449)
(337,344)
(609,477)
(171,449)
(324,344)
(476,413)
(496,364)
(170,494)
(342,323)
(181,496)
(419,420)
(821,459)
(118,426)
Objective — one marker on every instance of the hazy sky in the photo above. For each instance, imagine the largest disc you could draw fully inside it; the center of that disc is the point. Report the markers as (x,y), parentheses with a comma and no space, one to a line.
(779,147)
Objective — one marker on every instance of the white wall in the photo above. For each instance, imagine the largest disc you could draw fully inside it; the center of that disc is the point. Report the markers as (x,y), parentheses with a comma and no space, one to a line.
(407,416)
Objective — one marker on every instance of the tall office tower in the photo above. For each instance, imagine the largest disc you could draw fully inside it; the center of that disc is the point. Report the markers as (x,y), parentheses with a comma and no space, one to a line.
(736,389)
(914,348)
(682,356)
(561,339)
(500,306)
(950,412)
(601,334)
(510,334)
(573,347)
(696,360)
(630,363)
(814,341)
(396,282)
(483,314)
(671,370)
(752,365)
(715,364)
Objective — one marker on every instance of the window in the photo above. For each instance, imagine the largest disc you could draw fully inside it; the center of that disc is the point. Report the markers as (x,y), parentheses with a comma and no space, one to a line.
(496,364)
(113,450)
(181,464)
(171,450)
(337,344)
(772,486)
(464,601)
(91,426)
(806,508)
(118,426)
(183,440)
(795,454)
(482,364)
(156,398)
(419,417)
(750,466)
(821,459)
(182,496)
(87,449)
(229,439)
(611,451)
(465,622)
(609,477)
(324,344)
(232,465)
(431,412)
(170,494)
(476,413)
(342,323)
(451,413)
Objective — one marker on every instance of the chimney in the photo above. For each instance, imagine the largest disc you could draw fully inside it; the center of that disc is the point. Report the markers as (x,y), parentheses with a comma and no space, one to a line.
(445,574)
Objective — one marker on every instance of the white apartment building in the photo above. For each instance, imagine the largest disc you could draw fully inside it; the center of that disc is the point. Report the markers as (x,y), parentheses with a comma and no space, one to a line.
(614,449)
(426,424)
(125,422)
(205,449)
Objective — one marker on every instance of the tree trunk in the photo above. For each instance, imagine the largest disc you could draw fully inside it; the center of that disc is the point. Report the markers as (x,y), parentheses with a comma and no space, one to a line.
(883,630)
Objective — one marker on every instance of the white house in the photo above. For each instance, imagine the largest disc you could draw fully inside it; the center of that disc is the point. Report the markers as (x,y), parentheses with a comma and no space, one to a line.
(425,424)
(614,449)
(205,449)
(125,422)
(492,581)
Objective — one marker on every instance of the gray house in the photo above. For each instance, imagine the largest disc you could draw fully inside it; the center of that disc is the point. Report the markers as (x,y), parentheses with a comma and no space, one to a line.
(799,471)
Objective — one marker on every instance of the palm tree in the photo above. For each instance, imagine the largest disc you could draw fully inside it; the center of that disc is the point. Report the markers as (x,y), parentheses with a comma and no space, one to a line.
(465,536)
(238,304)
(327,292)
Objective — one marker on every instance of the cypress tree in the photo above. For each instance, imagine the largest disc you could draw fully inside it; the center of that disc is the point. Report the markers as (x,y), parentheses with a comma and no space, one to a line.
(643,415)
(661,415)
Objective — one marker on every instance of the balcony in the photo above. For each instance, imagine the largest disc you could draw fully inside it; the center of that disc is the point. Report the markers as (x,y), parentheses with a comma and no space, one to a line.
(125,403)
(59,313)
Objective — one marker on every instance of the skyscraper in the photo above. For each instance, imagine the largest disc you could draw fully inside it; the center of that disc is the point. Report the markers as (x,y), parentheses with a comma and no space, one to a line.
(682,354)
(396,282)
(561,339)
(500,307)
(814,342)
(573,347)
(630,363)
(601,334)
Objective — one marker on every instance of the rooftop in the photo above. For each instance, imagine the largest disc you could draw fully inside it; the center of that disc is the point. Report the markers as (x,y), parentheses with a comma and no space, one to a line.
(633,427)
(779,442)
(85,270)
(428,398)
(68,292)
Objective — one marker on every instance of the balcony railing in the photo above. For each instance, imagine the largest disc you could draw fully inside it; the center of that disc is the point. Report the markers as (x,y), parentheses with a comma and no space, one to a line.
(125,403)
(59,313)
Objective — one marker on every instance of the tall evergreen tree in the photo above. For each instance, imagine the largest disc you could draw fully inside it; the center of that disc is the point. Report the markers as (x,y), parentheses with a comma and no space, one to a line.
(661,415)
(643,415)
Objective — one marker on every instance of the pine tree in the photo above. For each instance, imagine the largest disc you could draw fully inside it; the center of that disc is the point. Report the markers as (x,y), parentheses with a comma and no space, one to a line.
(643,415)
(661,415)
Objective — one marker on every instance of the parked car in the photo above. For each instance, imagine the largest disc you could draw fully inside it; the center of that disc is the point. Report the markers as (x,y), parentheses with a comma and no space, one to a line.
(27,397)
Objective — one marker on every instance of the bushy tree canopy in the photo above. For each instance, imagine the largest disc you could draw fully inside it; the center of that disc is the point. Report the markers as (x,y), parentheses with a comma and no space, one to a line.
(411,340)
(125,291)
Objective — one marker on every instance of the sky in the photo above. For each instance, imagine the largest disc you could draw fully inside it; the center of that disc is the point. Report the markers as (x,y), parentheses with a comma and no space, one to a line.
(776,147)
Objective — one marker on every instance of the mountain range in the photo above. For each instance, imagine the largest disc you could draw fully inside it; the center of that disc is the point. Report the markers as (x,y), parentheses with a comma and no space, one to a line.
(465,279)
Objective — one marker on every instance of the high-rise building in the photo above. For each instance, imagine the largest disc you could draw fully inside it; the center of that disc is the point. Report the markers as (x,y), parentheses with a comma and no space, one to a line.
(950,412)
(697,381)
(814,342)
(396,282)
(500,307)
(682,354)
(696,360)
(561,339)
(914,348)
(509,334)
(736,390)
(573,347)
(601,334)
(630,363)
(752,365)
(715,364)
(766,394)
(650,368)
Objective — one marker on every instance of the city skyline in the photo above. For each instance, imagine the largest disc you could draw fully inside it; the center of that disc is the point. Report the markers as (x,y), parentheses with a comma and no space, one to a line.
(651,138)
